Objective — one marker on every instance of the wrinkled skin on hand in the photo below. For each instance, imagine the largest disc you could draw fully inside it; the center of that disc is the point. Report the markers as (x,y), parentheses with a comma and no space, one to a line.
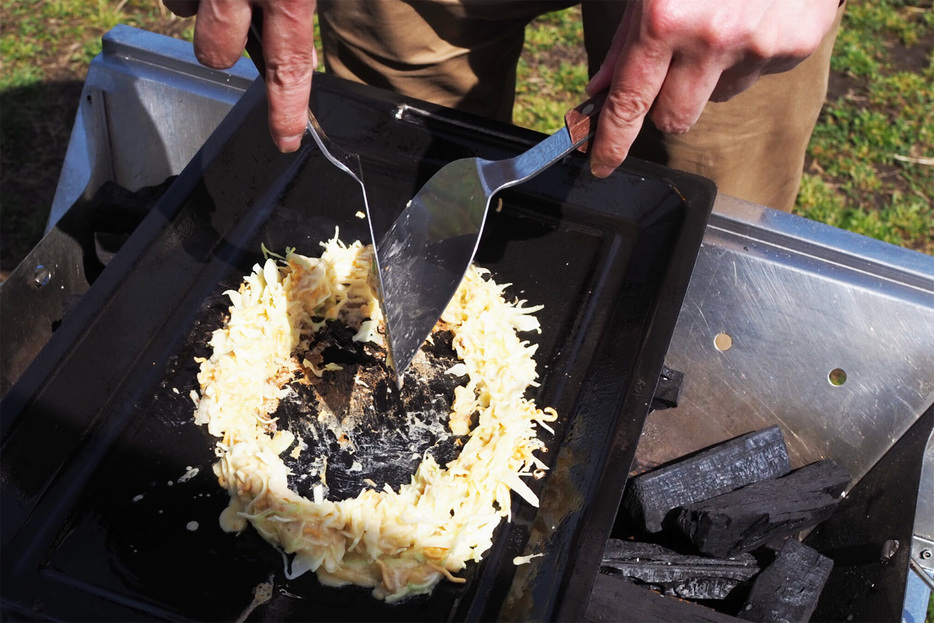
(288,50)
(669,57)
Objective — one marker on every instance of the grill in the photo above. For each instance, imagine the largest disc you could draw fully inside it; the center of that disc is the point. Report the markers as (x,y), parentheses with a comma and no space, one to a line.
(113,529)
(94,430)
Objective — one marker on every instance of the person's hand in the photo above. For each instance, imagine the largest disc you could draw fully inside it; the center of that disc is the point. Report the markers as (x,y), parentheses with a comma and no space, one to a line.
(669,57)
(288,49)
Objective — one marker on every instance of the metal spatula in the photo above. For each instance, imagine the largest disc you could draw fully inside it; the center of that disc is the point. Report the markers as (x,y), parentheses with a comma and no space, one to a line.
(424,255)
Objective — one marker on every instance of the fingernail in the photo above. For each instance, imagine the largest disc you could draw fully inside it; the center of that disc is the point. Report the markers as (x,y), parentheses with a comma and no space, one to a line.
(288,144)
(601,170)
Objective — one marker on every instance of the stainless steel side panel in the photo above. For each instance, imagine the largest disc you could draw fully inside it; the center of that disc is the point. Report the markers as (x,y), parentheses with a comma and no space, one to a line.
(146,109)
(804,305)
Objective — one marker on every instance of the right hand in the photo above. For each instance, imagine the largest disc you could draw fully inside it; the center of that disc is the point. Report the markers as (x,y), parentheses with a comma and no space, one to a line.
(288,50)
(670,57)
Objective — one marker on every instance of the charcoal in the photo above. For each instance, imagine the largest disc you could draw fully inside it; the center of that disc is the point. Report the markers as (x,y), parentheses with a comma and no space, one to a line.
(668,390)
(756,514)
(753,457)
(615,599)
(788,589)
(679,575)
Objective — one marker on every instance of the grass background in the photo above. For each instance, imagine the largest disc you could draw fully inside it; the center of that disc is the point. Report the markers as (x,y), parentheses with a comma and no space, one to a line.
(870,166)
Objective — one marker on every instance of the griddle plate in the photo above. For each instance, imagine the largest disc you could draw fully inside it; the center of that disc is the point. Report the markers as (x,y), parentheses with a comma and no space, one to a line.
(103,515)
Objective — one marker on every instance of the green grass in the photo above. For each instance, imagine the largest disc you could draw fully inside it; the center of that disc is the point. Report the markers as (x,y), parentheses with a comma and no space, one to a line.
(552,72)
(868,172)
(55,37)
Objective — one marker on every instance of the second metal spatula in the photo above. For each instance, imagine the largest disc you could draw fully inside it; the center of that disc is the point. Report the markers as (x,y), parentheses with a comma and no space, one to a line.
(424,255)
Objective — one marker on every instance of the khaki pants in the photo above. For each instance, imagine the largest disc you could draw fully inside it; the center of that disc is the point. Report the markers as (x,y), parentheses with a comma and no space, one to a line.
(463,54)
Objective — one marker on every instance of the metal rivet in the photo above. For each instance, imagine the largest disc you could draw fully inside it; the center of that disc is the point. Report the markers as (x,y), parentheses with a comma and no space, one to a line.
(41,276)
(925,554)
(723,342)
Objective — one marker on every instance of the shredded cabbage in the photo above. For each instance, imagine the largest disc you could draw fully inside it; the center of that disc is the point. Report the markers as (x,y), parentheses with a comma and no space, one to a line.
(403,542)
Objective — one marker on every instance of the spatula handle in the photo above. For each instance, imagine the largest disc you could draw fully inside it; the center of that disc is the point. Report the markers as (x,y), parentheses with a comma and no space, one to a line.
(582,121)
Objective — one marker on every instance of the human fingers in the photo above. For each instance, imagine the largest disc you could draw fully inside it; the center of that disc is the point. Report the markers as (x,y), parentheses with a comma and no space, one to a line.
(289,52)
(220,32)
(734,81)
(788,33)
(637,77)
(684,94)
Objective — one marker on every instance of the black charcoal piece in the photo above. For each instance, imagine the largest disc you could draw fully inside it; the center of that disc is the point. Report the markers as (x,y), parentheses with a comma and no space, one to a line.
(742,520)
(614,600)
(668,390)
(717,470)
(678,575)
(788,589)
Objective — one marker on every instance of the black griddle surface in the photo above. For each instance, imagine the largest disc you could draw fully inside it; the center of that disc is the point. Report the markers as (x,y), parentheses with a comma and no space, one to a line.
(384,430)
(109,504)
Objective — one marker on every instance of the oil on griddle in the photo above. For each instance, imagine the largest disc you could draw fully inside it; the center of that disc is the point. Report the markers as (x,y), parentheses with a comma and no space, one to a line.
(360,429)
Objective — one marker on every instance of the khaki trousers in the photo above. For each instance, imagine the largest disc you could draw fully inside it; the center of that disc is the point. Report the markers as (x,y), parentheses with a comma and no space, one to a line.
(463,54)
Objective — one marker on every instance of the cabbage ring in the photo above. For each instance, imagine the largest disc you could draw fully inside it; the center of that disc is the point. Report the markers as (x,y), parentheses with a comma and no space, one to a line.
(399,542)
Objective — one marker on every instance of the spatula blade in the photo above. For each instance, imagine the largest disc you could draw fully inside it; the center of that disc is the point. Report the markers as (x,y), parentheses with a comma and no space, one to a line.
(423,257)
(425,254)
